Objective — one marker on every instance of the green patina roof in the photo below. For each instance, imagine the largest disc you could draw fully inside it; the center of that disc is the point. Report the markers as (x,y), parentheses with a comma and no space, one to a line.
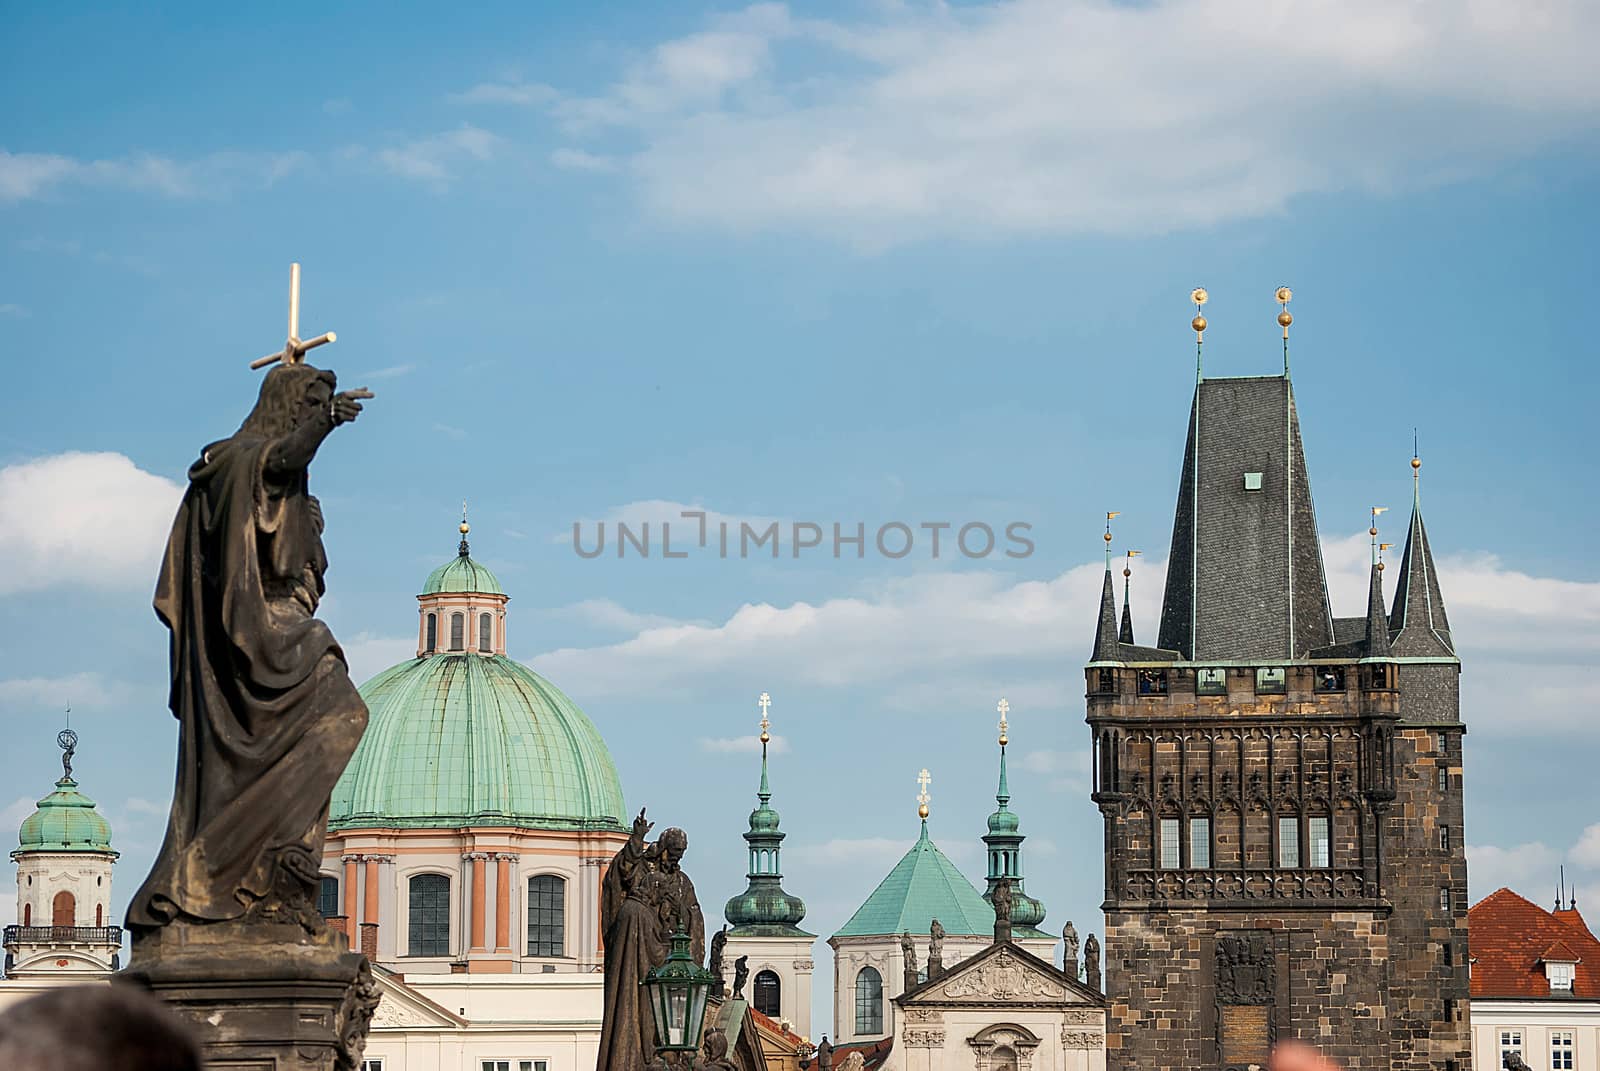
(457,740)
(924,885)
(462,574)
(66,821)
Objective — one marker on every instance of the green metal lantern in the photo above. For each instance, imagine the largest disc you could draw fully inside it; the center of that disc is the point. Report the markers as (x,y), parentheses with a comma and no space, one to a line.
(677,992)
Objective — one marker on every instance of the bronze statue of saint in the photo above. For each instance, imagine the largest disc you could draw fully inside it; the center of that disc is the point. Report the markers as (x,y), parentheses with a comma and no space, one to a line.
(267,714)
(645,898)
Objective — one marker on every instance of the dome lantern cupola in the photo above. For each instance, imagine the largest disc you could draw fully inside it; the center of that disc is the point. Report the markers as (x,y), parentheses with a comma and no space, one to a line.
(462,606)
(764,908)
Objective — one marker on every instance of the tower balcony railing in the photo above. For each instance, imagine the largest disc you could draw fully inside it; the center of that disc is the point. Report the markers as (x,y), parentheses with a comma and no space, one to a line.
(1305,883)
(62,935)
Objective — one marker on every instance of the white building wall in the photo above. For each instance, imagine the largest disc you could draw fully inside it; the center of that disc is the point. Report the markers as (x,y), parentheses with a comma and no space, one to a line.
(791,960)
(1536,1020)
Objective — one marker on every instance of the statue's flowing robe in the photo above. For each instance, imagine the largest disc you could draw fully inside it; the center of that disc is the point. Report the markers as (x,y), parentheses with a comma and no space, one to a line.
(636,901)
(267,715)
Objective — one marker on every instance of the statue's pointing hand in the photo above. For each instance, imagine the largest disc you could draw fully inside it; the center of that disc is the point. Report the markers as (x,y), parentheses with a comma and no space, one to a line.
(347,405)
(642,825)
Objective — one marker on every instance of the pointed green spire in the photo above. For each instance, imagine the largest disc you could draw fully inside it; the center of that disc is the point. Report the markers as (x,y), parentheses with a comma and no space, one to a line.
(764,908)
(1004,844)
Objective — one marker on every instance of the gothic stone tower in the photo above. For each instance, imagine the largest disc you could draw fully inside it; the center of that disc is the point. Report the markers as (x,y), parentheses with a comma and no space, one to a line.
(1281,788)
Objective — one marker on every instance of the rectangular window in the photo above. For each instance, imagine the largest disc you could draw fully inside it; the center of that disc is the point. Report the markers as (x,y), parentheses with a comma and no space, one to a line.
(1270,680)
(1444,901)
(1560,976)
(1510,1042)
(495,1065)
(1444,838)
(1560,1050)
(1211,682)
(1169,844)
(372,1064)
(458,628)
(485,634)
(1320,845)
(1289,842)
(1200,843)
(1449,954)
(547,910)
(1444,779)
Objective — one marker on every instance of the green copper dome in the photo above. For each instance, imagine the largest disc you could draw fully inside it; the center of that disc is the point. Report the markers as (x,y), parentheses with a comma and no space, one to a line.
(1004,844)
(461,574)
(457,740)
(764,909)
(924,885)
(66,821)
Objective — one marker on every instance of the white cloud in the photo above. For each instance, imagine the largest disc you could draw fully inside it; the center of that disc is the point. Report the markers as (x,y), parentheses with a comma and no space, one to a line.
(13,813)
(1524,868)
(82,691)
(28,175)
(847,851)
(934,641)
(369,654)
(579,160)
(606,613)
(140,805)
(510,91)
(95,520)
(742,745)
(1586,853)
(1068,771)
(435,158)
(1046,116)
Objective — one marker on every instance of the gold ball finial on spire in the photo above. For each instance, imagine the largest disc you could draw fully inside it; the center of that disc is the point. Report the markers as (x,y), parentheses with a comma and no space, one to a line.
(1416,463)
(1004,708)
(1285,317)
(1199,296)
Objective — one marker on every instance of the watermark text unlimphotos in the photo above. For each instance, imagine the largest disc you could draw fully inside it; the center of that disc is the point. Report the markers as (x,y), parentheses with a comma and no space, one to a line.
(694,533)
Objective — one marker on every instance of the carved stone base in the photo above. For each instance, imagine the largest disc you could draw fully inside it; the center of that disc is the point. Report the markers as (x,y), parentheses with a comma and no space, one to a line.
(261,997)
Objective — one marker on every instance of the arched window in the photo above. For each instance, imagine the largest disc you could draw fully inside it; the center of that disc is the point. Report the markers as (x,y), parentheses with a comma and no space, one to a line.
(328,896)
(547,915)
(458,632)
(429,931)
(27,914)
(99,915)
(64,909)
(769,993)
(869,1001)
(485,634)
(432,644)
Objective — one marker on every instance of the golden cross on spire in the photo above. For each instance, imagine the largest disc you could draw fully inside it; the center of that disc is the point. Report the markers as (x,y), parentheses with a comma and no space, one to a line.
(764,702)
(294,350)
(923,780)
(1004,708)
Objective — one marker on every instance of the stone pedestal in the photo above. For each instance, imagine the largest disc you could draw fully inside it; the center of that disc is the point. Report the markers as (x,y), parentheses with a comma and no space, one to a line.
(262,997)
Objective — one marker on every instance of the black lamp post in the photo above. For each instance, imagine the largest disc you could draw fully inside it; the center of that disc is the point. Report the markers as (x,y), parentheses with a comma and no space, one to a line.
(677,993)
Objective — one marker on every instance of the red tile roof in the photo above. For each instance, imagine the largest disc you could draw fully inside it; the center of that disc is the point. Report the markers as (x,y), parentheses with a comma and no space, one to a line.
(1510,938)
(772,1026)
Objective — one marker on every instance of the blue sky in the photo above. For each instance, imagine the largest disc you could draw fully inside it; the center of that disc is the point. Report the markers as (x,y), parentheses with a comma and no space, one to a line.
(847,263)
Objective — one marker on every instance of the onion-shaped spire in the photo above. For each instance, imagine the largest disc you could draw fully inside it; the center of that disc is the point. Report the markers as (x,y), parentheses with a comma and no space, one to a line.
(1004,844)
(764,908)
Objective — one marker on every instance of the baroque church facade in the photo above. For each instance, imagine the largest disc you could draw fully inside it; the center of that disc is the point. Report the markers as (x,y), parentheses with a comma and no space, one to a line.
(1280,788)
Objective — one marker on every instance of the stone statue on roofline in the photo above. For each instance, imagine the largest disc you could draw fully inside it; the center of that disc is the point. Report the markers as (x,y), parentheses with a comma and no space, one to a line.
(1069,949)
(935,950)
(1002,900)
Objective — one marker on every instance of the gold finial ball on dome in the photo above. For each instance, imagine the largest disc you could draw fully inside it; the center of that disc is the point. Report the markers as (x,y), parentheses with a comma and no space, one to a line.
(1198,323)
(1284,295)
(922,810)
(465,527)
(1285,318)
(1198,295)
(766,737)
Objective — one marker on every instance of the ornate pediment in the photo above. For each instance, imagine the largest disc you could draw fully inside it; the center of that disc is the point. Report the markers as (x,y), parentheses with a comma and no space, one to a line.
(400,1007)
(1002,977)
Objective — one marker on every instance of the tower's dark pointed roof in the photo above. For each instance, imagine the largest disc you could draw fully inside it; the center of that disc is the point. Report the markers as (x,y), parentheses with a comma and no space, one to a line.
(1105,633)
(1245,577)
(1377,627)
(1125,634)
(1417,623)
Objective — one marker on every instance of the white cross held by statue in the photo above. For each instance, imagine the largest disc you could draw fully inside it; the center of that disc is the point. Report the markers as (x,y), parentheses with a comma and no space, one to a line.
(294,350)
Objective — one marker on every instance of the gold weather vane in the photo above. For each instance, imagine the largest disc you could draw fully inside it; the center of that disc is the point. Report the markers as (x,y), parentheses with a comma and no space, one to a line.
(1373,532)
(765,702)
(1199,296)
(923,780)
(294,350)
(1127,568)
(1285,318)
(1111,515)
(1004,708)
